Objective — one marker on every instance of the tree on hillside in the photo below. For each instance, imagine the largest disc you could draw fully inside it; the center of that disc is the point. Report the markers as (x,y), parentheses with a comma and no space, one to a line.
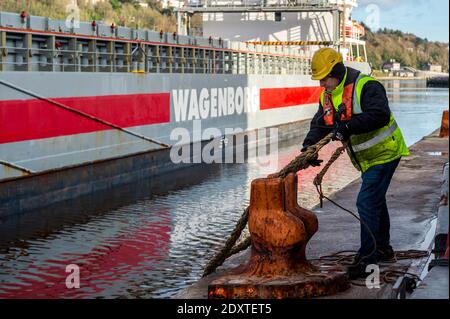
(115,4)
(406,48)
(133,2)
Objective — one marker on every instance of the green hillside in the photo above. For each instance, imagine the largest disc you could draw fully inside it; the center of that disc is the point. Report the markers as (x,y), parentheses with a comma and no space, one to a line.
(122,12)
(405,48)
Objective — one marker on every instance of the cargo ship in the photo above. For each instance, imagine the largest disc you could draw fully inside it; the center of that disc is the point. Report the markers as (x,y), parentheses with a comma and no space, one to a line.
(89,106)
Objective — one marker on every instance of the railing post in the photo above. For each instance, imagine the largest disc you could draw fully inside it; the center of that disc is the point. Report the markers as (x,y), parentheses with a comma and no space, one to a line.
(157,60)
(28,44)
(141,65)
(204,63)
(183,59)
(213,60)
(92,55)
(247,57)
(50,54)
(3,50)
(111,56)
(170,60)
(127,51)
(194,61)
(73,55)
(223,61)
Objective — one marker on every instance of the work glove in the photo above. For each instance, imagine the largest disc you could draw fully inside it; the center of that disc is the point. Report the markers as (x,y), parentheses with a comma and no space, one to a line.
(341,133)
(314,161)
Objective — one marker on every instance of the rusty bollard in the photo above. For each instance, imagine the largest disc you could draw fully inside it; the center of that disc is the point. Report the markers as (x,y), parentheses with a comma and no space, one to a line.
(444,124)
(280,230)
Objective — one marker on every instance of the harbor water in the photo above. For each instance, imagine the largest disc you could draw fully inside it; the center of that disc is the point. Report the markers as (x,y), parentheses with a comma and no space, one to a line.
(152,239)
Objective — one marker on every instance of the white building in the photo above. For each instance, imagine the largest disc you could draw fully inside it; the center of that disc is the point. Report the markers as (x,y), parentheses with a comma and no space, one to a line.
(142,3)
(434,67)
(390,66)
(95,1)
(172,3)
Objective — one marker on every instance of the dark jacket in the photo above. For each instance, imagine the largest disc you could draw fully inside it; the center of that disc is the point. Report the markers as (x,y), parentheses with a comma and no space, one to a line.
(374,104)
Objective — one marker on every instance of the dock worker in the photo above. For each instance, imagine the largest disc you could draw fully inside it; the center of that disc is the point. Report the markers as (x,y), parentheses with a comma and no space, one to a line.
(354,107)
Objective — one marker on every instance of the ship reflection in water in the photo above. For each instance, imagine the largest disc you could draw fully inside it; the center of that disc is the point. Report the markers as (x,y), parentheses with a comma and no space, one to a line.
(153,238)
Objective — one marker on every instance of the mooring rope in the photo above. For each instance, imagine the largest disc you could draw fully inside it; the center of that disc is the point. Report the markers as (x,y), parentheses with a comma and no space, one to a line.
(302,160)
(15,166)
(223,254)
(298,163)
(387,276)
(345,257)
(318,180)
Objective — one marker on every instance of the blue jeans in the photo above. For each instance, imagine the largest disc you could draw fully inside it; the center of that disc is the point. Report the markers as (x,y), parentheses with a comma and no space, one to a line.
(372,208)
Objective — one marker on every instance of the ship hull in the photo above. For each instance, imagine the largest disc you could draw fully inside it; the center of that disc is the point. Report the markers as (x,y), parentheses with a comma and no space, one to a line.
(39,190)
(68,134)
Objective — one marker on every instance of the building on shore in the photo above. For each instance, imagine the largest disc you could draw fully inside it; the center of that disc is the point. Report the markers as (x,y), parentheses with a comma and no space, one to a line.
(171,3)
(394,68)
(95,1)
(391,66)
(142,3)
(433,67)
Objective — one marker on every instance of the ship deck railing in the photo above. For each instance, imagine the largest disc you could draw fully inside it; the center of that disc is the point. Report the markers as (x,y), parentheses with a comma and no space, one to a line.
(261,5)
(26,51)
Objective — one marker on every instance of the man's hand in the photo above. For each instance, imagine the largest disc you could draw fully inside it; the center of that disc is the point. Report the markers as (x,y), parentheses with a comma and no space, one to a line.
(314,161)
(341,133)
(304,147)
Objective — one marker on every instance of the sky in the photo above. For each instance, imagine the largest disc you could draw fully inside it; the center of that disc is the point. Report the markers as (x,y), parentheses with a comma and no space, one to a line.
(424,18)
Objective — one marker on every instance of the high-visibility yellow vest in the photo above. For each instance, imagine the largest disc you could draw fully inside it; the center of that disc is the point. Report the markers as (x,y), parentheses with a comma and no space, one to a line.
(377,147)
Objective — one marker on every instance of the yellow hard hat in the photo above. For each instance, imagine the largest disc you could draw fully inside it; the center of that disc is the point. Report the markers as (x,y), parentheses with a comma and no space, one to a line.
(323,62)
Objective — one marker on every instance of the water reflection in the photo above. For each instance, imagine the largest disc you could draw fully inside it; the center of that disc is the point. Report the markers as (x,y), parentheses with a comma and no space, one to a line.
(417,109)
(153,238)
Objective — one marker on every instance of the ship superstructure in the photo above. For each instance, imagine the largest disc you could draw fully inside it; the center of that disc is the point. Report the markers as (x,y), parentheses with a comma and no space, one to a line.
(300,24)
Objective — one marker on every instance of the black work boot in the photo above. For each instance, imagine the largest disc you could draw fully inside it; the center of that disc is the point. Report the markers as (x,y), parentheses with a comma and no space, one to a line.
(358,267)
(357,270)
(356,259)
(386,254)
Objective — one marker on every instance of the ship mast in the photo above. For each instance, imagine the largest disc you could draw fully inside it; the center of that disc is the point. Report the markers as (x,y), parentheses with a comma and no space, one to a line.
(351,34)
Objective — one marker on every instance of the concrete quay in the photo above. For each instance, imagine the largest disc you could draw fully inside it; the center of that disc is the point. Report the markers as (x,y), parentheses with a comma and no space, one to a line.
(413,201)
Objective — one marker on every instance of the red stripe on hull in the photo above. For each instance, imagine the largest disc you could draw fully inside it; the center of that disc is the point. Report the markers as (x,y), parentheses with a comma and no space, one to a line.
(34,119)
(282,97)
